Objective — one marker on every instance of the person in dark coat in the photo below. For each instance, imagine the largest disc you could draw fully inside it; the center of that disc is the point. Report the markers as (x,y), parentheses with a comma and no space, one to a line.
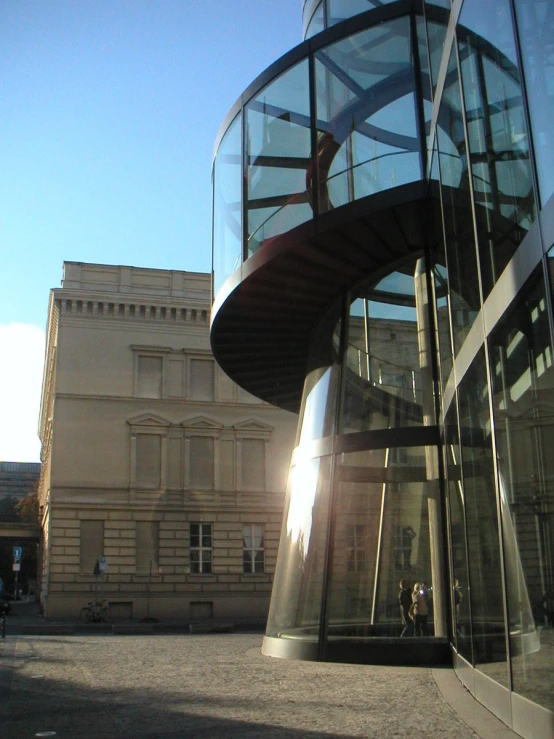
(404,602)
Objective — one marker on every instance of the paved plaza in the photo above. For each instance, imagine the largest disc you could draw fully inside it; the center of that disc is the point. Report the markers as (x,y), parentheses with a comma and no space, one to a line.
(219,685)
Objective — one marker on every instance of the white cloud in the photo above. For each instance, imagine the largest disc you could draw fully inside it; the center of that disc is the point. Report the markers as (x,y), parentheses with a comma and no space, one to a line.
(21,363)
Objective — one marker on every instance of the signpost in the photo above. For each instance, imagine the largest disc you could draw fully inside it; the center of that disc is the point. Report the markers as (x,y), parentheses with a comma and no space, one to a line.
(16,567)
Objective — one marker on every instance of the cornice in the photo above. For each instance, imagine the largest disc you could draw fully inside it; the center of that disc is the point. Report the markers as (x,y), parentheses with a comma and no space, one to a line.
(131,309)
(171,401)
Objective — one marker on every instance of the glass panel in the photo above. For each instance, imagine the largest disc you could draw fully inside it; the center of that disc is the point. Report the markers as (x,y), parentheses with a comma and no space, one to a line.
(384,518)
(340,10)
(317,22)
(498,141)
(523,381)
(440,278)
(259,561)
(278,157)
(319,399)
(297,586)
(487,602)
(463,279)
(436,36)
(386,385)
(227,219)
(426,87)
(535,21)
(458,548)
(366,117)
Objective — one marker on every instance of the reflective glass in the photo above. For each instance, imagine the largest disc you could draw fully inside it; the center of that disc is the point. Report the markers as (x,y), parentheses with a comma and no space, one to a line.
(485,568)
(227,218)
(385,384)
(298,582)
(498,140)
(384,519)
(461,258)
(278,157)
(523,382)
(317,21)
(458,552)
(436,36)
(440,277)
(366,114)
(536,21)
(340,10)
(425,77)
(319,399)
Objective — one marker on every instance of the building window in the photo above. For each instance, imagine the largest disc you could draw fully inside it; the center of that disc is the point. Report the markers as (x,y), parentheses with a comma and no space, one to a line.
(253,548)
(202,379)
(147,543)
(200,548)
(92,545)
(253,464)
(201,462)
(356,537)
(148,461)
(149,377)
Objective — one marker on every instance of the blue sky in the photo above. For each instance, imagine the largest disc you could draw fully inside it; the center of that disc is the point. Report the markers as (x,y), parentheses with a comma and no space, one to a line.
(110,109)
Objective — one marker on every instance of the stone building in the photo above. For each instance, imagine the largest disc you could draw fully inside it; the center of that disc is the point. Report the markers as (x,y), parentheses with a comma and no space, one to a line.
(155,465)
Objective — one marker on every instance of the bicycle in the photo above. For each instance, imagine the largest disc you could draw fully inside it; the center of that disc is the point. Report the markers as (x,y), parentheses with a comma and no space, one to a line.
(96,612)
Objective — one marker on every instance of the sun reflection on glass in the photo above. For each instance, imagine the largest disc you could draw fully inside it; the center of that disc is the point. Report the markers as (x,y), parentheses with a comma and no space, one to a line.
(303,486)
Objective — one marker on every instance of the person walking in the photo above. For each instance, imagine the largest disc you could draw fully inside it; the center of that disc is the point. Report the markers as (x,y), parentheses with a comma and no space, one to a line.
(404,602)
(421,610)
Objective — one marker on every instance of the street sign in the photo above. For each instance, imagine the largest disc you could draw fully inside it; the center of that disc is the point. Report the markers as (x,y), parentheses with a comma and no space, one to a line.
(103,565)
(16,555)
(16,566)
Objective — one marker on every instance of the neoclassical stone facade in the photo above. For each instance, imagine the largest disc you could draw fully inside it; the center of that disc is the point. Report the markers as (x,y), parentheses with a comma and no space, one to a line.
(151,456)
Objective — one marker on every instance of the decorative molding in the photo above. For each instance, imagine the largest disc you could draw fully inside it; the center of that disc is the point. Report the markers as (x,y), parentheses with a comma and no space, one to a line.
(252,424)
(202,422)
(148,309)
(149,419)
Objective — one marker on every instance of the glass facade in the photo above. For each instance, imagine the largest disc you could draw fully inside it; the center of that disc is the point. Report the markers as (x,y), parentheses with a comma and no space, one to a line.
(401,163)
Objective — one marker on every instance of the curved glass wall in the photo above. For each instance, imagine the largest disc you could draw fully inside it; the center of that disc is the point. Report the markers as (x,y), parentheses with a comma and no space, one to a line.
(384,382)
(497,133)
(227,221)
(340,125)
(366,114)
(278,153)
(535,22)
(380,514)
(523,387)
(425,446)
(354,118)
(320,14)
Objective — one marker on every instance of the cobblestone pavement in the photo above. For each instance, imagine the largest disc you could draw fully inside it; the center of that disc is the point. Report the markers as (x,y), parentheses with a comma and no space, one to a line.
(214,685)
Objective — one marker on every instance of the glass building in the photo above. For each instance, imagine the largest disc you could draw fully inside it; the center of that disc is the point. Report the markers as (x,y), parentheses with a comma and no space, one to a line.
(383,264)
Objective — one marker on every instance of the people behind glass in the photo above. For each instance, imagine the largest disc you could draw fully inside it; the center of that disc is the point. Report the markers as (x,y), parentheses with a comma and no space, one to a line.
(404,602)
(457,597)
(420,609)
